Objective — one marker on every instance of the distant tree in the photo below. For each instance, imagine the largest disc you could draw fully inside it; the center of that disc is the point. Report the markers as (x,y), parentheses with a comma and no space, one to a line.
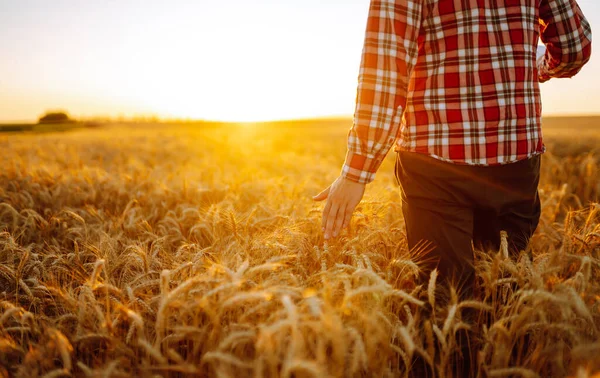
(55,117)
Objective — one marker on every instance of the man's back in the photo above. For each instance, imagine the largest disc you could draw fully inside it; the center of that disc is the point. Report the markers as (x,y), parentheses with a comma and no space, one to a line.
(474,93)
(458,79)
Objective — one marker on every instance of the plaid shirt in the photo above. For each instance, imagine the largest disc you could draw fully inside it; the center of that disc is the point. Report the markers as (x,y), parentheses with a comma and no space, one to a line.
(458,80)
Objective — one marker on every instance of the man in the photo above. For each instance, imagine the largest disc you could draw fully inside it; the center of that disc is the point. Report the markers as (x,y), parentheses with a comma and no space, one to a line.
(455,85)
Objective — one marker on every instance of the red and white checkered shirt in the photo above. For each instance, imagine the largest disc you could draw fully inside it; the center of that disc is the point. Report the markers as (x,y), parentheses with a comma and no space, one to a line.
(458,80)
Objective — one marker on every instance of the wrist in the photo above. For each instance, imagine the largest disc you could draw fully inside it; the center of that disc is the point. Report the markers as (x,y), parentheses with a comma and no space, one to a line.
(360,168)
(352,181)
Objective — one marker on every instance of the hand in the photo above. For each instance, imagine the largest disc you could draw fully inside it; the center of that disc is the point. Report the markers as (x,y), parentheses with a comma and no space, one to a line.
(342,198)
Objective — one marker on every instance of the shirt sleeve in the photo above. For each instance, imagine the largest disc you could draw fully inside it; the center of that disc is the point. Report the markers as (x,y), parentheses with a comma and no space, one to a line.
(389,55)
(568,38)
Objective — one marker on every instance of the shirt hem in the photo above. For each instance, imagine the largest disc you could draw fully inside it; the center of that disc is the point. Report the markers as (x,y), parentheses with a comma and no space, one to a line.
(470,163)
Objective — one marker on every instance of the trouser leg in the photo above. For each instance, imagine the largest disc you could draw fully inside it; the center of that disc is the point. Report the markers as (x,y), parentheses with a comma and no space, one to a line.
(486,230)
(436,223)
(445,233)
(512,205)
(520,224)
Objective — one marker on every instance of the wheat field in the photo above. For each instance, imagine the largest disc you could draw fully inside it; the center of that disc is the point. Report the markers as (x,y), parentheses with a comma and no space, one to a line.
(196,251)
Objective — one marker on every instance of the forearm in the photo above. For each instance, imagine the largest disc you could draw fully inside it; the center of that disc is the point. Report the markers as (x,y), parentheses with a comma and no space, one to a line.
(567,35)
(389,55)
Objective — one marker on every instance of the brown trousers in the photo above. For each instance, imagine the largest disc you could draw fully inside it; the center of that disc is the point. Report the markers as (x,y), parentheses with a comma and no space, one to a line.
(456,207)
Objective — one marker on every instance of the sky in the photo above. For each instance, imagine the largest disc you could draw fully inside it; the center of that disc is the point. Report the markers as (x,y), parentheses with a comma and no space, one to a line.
(235,60)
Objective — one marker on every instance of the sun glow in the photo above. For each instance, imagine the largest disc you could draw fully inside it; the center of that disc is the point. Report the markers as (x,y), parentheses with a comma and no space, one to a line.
(226,61)
(255,76)
(186,60)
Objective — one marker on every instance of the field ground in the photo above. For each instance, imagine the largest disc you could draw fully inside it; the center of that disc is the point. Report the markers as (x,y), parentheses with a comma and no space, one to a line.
(40,128)
(196,251)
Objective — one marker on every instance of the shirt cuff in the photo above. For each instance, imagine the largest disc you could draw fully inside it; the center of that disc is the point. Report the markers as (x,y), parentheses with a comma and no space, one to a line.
(543,75)
(360,168)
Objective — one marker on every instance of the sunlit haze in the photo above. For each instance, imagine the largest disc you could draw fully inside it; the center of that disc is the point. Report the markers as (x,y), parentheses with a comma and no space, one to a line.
(233,60)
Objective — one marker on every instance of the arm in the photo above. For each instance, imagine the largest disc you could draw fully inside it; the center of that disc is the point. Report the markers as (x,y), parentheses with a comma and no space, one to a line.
(389,55)
(567,36)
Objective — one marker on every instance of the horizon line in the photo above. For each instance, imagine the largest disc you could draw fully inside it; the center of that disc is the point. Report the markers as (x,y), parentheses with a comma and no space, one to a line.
(153,118)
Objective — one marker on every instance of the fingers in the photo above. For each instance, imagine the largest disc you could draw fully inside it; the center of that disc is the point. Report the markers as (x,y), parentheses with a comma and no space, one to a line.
(347,217)
(338,222)
(323,195)
(326,212)
(331,218)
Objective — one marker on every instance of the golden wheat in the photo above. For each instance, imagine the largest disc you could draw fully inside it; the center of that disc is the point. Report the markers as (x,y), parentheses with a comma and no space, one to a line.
(190,251)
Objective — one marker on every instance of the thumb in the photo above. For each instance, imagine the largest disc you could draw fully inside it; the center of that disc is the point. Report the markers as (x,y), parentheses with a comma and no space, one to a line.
(323,195)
